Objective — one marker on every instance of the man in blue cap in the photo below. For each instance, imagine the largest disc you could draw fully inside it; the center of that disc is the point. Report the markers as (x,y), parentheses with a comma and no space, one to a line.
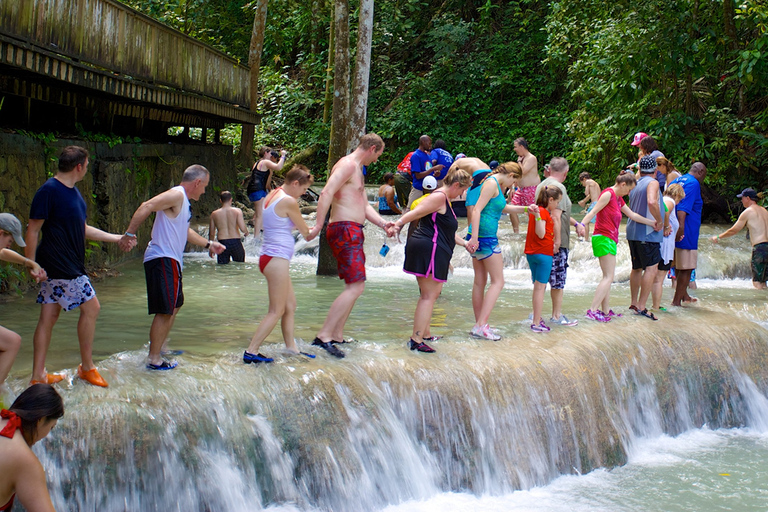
(755,217)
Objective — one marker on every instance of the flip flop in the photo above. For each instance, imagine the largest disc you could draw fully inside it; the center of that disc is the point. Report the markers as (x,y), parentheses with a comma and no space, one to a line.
(647,314)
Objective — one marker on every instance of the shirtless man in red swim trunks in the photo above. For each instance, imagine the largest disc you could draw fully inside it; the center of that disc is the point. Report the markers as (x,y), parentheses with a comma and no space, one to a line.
(345,195)
(526,187)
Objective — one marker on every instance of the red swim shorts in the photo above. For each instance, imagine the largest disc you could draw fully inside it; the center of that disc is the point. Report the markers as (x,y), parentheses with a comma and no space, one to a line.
(346,241)
(524,196)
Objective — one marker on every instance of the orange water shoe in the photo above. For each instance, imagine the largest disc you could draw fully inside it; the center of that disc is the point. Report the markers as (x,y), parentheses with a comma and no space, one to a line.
(50,378)
(92,377)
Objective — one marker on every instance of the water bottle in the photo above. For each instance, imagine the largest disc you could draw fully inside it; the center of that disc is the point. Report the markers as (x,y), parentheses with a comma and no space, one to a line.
(384,249)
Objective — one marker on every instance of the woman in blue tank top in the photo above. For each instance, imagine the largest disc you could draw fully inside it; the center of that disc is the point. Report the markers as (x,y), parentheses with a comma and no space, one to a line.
(484,244)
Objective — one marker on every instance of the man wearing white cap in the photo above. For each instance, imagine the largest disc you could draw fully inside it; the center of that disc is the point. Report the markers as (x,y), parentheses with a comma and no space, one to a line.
(755,217)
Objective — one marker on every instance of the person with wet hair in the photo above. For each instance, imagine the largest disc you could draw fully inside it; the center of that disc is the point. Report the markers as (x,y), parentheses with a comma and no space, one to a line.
(29,419)
(607,211)
(428,252)
(261,181)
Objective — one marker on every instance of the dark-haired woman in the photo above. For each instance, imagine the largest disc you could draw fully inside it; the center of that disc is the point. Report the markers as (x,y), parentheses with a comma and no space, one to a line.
(261,181)
(30,418)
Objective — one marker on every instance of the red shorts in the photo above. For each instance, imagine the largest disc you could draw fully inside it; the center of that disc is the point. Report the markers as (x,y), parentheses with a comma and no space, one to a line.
(524,196)
(346,241)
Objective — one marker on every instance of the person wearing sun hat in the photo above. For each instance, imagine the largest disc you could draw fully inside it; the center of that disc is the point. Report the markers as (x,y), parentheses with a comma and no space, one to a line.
(755,218)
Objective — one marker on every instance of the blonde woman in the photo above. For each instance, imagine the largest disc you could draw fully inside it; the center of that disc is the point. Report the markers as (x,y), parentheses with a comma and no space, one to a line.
(484,244)
(672,196)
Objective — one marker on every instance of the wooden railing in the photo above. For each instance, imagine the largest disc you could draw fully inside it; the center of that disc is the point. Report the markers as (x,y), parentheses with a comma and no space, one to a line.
(110,35)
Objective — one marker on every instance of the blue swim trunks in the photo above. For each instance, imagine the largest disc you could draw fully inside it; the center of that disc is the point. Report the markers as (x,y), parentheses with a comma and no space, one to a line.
(487,247)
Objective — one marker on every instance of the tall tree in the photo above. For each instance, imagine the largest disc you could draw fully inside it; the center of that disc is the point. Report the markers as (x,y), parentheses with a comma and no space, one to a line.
(359,109)
(326,264)
(254,61)
(340,115)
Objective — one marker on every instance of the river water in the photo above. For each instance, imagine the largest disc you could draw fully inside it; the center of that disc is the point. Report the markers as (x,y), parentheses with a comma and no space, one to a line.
(633,415)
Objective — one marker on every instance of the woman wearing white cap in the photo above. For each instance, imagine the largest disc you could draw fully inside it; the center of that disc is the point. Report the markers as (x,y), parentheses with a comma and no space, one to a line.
(10,230)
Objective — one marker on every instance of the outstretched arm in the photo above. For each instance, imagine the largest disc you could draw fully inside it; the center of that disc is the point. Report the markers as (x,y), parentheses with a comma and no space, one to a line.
(164,201)
(738,226)
(636,216)
(34,269)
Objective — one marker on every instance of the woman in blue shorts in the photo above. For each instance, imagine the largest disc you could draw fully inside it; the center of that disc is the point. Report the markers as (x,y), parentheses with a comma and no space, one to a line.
(484,244)
(429,250)
(261,181)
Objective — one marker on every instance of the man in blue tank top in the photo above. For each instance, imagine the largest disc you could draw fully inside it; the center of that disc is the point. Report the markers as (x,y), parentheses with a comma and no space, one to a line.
(644,241)
(59,212)
(163,259)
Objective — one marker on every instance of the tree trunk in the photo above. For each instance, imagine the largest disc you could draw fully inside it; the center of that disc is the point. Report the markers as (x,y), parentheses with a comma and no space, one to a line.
(340,116)
(359,109)
(254,61)
(326,263)
(329,70)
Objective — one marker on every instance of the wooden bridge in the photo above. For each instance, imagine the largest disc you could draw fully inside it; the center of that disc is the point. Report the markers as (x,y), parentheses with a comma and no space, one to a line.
(100,66)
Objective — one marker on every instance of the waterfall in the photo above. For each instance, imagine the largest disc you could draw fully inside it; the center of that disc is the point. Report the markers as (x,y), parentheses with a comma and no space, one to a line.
(379,429)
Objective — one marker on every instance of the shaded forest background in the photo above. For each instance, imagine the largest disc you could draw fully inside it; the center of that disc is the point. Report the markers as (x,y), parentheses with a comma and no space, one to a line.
(576,79)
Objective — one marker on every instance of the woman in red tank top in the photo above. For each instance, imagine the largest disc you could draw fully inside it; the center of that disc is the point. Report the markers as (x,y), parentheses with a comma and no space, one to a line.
(608,211)
(30,418)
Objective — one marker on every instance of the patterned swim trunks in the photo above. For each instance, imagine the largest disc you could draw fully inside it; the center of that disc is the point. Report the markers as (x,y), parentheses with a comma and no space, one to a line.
(524,196)
(67,293)
(346,241)
(760,262)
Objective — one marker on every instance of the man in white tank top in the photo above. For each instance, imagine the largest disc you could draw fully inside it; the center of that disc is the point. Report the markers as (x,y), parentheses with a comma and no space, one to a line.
(163,259)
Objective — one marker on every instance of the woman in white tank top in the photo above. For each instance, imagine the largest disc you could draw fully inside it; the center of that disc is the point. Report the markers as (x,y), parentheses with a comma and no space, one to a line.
(281,215)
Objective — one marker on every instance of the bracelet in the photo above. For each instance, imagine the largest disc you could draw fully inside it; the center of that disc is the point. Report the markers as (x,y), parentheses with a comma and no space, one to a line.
(208,245)
(538,218)
(525,209)
(580,224)
(130,234)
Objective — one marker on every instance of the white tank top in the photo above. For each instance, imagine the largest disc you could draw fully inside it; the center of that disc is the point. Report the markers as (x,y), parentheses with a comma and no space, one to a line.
(169,236)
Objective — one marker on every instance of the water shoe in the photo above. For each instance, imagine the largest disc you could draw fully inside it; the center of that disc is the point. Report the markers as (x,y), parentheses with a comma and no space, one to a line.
(563,320)
(484,332)
(328,346)
(91,377)
(249,358)
(421,347)
(165,365)
(597,316)
(542,327)
(50,378)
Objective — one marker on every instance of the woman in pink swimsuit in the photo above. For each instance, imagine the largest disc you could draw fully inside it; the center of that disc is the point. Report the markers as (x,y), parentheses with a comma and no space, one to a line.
(281,215)
(30,418)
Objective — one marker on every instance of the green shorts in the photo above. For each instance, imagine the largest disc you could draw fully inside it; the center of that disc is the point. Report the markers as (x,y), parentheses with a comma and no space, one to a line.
(602,245)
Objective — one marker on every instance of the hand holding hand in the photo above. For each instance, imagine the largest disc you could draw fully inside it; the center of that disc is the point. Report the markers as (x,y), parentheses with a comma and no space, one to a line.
(715,239)
(37,272)
(657,226)
(311,235)
(667,230)
(391,229)
(580,230)
(126,243)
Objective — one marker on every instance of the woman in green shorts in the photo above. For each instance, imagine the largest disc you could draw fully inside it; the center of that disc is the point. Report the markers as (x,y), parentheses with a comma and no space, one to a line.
(607,211)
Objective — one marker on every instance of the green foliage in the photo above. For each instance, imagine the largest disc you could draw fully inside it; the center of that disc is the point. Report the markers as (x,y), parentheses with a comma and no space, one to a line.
(574,78)
(49,150)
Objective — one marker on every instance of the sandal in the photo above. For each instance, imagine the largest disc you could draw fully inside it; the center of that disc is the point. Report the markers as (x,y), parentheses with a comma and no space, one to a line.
(634,308)
(647,314)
